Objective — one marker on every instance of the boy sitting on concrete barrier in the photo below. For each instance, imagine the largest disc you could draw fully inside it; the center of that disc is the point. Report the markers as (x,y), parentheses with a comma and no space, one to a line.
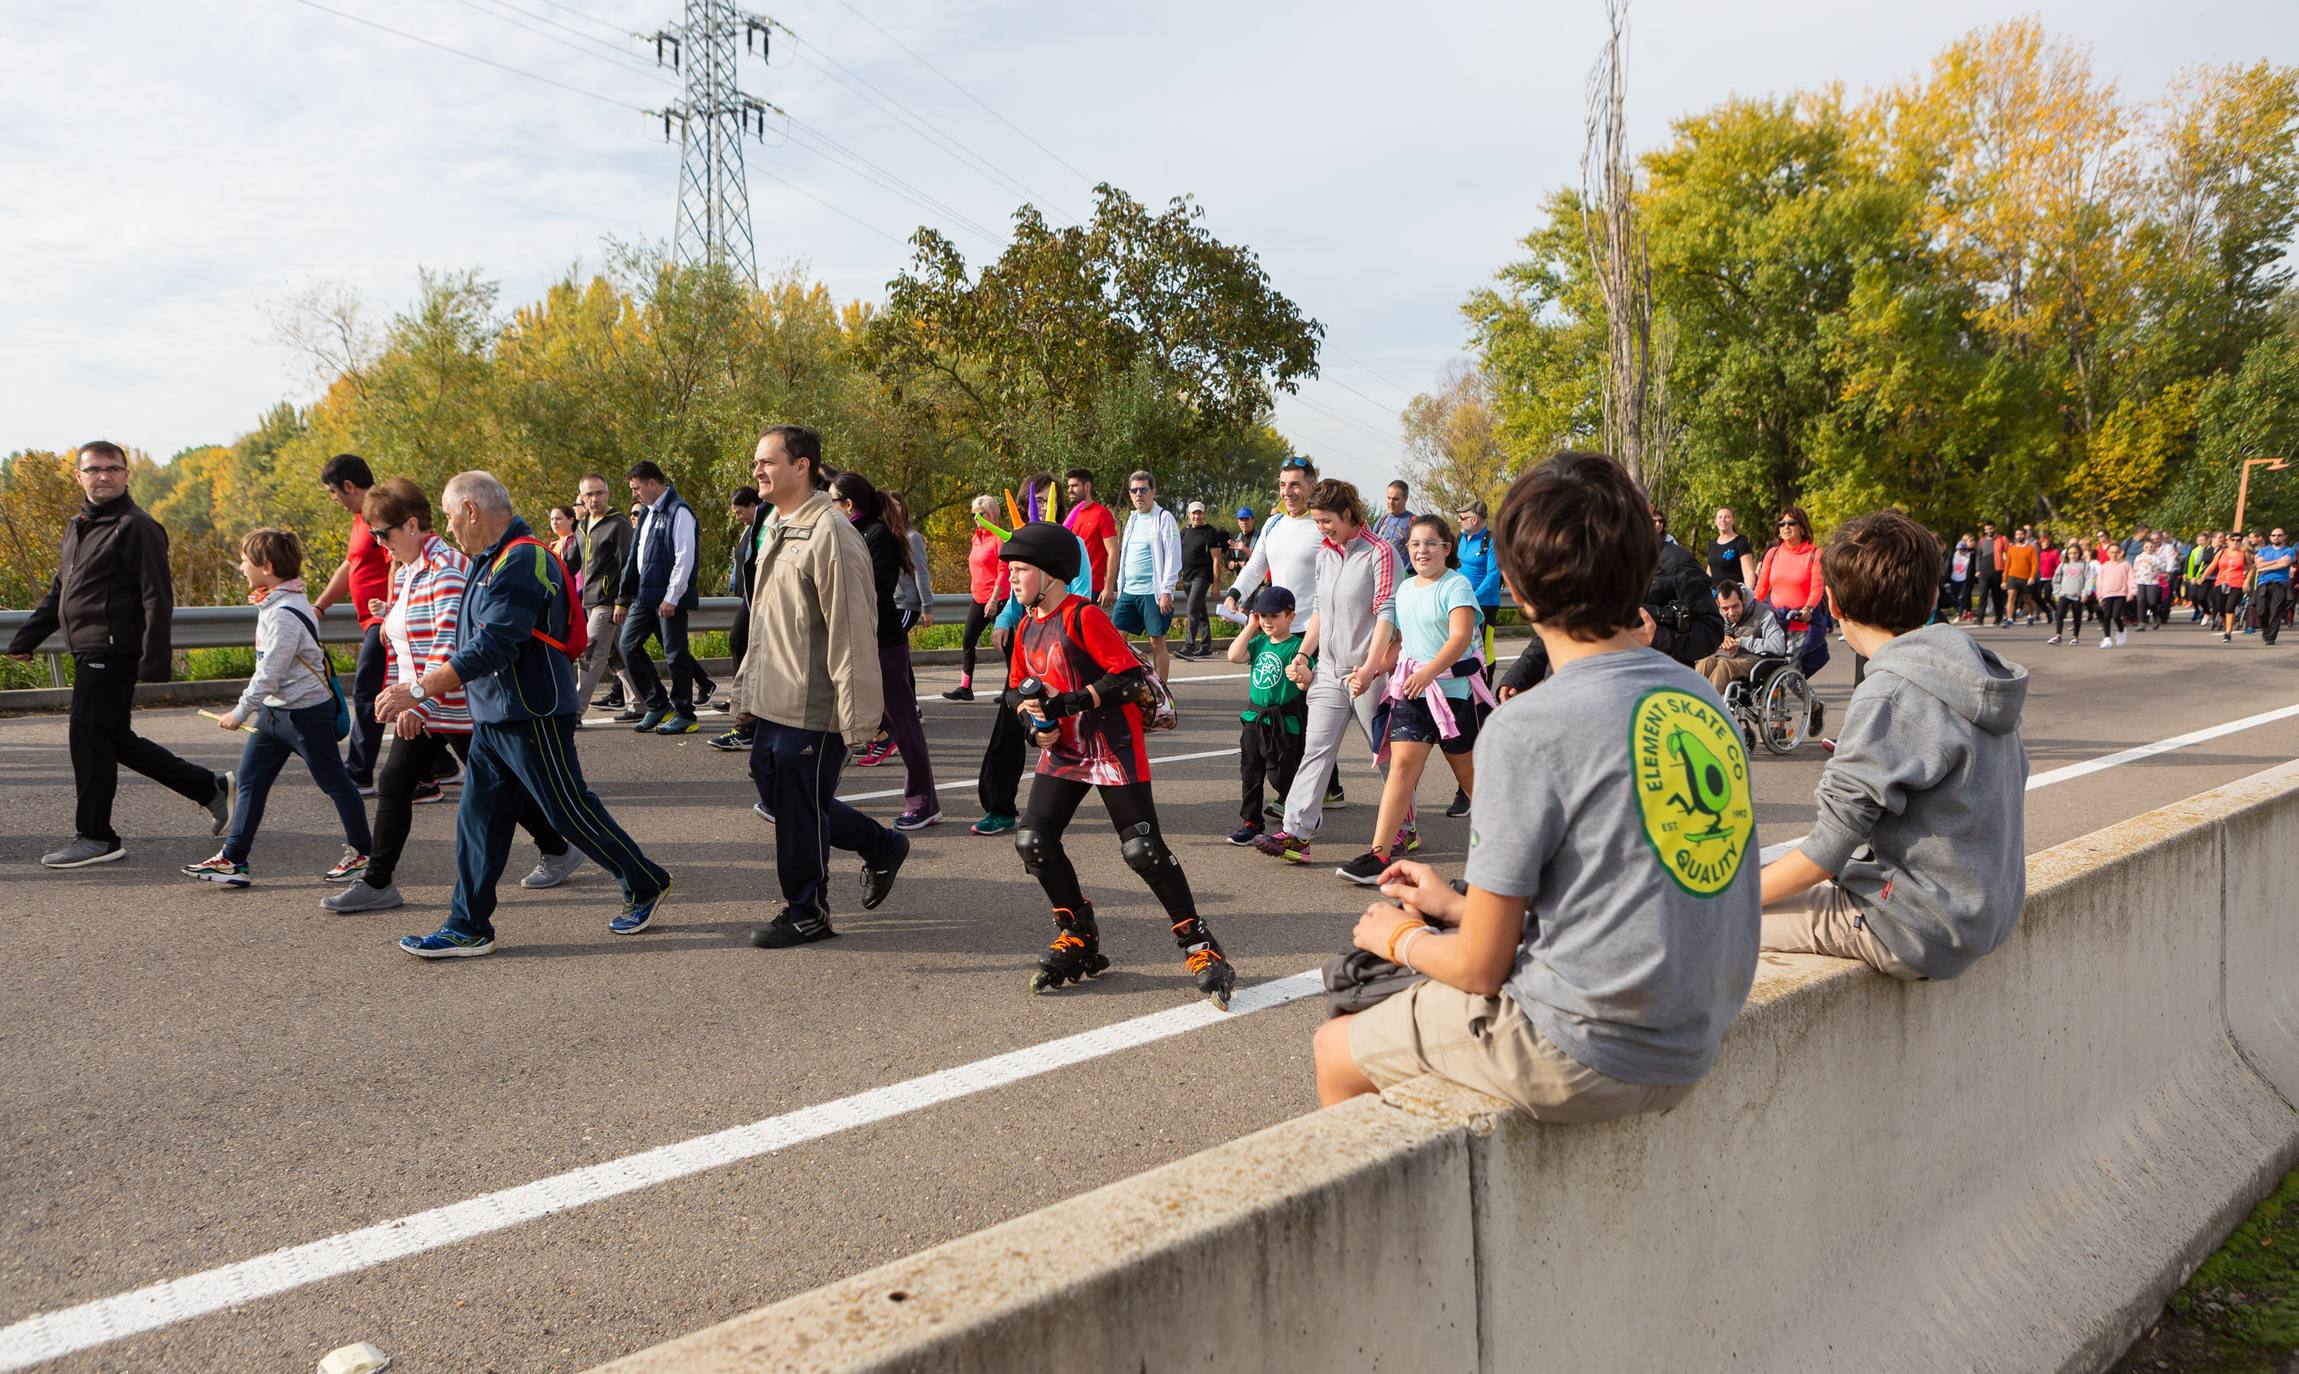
(1917,862)
(1606,932)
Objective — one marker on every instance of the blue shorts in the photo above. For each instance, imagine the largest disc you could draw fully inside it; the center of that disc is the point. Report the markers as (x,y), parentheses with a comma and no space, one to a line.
(1137,614)
(1411,723)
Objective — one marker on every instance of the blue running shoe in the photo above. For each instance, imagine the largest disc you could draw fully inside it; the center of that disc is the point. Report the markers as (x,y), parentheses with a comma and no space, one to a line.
(637,916)
(649,720)
(447,944)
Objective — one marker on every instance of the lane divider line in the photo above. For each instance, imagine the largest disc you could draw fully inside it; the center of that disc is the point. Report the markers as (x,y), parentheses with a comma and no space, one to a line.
(52,1335)
(69,1330)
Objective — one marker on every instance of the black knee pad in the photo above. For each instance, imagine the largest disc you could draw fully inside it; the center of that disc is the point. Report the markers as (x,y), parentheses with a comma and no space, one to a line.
(1144,850)
(1034,848)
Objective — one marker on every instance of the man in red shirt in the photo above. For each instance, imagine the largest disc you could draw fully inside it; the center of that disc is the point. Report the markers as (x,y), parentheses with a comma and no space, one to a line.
(1075,684)
(1091,521)
(363,578)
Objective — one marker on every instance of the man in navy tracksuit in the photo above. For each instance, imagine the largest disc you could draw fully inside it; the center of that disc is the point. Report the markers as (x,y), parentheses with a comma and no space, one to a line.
(524,710)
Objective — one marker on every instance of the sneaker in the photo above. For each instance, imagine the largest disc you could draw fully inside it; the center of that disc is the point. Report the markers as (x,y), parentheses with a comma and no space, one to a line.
(734,741)
(961,692)
(366,789)
(648,720)
(1279,845)
(351,865)
(995,823)
(759,810)
(361,897)
(874,753)
(678,723)
(792,928)
(2055,639)
(2107,641)
(453,777)
(2122,637)
(2224,638)
(554,869)
(82,852)
(1245,834)
(219,870)
(220,806)
(878,880)
(704,691)
(1274,811)
(1334,800)
(427,793)
(1408,839)
(917,820)
(634,713)
(1460,805)
(447,944)
(612,701)
(1365,870)
(637,916)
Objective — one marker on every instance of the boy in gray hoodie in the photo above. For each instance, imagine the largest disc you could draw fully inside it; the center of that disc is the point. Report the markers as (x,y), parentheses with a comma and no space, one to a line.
(1917,862)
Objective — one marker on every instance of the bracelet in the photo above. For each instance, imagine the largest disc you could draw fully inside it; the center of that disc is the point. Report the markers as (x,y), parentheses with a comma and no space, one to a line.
(1402,926)
(1405,950)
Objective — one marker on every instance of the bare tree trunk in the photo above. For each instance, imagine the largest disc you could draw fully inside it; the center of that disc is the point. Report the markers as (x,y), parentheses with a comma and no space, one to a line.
(1623,269)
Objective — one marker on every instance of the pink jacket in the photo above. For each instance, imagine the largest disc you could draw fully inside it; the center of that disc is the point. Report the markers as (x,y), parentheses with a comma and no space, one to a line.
(2115,579)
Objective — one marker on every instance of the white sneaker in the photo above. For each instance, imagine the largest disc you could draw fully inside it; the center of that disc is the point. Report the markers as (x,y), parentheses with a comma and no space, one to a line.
(553,871)
(2053,640)
(2107,641)
(2122,637)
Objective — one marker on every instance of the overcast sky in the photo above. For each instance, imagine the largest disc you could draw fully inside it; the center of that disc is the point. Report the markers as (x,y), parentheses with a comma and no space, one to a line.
(174,172)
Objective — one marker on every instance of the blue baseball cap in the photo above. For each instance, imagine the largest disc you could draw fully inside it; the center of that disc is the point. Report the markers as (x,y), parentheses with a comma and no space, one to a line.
(1245,512)
(1272,600)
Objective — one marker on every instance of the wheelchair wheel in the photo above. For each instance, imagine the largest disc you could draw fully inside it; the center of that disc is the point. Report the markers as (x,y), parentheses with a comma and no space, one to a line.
(1784,716)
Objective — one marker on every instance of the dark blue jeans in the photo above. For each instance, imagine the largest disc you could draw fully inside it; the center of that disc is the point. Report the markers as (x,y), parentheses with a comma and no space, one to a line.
(797,776)
(308,734)
(510,763)
(365,743)
(645,622)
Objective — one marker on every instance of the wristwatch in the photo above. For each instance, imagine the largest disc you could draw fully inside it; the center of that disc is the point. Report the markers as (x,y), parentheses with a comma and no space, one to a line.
(415,688)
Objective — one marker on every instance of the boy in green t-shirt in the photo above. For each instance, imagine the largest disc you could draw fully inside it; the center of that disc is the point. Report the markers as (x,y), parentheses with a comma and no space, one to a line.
(1269,747)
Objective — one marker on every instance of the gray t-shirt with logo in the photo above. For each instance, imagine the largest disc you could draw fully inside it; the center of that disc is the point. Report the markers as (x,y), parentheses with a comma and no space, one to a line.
(1615,797)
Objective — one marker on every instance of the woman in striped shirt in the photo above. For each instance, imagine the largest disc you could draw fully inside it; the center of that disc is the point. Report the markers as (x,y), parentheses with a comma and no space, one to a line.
(419,629)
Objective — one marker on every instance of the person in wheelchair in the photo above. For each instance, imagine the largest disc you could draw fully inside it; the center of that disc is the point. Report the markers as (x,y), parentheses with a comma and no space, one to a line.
(1752,634)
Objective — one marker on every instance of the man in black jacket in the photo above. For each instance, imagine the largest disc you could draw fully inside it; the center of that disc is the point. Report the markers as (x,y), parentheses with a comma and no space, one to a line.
(114,601)
(602,547)
(1680,616)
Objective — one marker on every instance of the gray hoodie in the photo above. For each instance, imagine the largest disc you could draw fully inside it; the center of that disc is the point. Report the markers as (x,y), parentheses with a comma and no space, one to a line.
(1922,814)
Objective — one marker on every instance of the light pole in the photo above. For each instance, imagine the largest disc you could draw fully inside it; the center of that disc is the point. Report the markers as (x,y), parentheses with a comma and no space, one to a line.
(2243,486)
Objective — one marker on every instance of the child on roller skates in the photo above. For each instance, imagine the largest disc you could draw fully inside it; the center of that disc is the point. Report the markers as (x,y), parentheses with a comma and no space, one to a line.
(1075,684)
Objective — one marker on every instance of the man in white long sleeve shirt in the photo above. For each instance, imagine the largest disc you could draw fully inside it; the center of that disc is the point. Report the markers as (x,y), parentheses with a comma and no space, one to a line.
(1286,553)
(657,594)
(1140,594)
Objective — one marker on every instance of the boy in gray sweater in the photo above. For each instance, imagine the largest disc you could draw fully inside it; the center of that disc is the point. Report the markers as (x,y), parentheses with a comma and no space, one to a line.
(1917,862)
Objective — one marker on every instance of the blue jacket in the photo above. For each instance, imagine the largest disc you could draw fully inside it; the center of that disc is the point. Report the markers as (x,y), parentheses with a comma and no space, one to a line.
(647,577)
(508,674)
(1479,565)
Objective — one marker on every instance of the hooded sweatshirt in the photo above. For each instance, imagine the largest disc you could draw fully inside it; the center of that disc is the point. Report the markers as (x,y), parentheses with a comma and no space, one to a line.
(1921,815)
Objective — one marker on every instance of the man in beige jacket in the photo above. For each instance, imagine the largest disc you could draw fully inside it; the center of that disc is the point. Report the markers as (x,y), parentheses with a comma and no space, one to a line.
(810,680)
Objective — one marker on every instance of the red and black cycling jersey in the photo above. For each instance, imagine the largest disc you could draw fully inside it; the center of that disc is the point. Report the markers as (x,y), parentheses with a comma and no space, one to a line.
(1105,747)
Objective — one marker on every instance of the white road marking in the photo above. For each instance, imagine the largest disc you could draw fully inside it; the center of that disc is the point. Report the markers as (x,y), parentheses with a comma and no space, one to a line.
(53,1335)
(67,1331)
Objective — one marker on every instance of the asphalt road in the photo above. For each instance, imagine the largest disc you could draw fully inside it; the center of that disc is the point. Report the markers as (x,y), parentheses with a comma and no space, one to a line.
(196,1076)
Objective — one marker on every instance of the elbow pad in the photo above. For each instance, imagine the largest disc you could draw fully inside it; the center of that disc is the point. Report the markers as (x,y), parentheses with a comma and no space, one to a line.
(1115,689)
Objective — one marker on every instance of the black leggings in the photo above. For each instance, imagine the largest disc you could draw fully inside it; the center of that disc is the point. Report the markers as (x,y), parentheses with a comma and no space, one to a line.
(2060,612)
(2110,615)
(410,762)
(1053,801)
(978,615)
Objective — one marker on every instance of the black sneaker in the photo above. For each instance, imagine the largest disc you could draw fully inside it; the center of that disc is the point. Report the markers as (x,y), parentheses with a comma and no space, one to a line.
(791,929)
(959,694)
(1460,806)
(632,714)
(612,701)
(1334,800)
(1274,810)
(1245,834)
(704,691)
(878,879)
(733,741)
(1365,870)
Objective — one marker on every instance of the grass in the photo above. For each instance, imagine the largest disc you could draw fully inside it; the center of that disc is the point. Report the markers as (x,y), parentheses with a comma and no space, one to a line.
(2240,1313)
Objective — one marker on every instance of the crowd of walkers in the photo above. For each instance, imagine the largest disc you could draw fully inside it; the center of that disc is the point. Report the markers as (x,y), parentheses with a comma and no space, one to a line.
(1605,783)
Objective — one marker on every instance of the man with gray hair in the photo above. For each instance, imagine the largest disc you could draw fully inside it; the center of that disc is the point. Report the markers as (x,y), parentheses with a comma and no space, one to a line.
(516,641)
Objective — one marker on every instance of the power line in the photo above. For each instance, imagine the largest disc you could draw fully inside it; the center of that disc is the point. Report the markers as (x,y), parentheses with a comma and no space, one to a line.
(966,93)
(1339,418)
(1368,368)
(625,67)
(838,154)
(570,9)
(622,47)
(890,238)
(1383,406)
(919,124)
(472,56)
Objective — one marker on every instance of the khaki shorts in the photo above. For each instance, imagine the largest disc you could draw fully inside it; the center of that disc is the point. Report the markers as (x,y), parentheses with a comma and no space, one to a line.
(1823,919)
(1487,1043)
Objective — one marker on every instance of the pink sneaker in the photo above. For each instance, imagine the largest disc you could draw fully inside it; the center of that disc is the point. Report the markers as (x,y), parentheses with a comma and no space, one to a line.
(875,753)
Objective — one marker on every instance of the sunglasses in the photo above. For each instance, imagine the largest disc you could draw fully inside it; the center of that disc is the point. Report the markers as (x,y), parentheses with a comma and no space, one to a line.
(1139,491)
(1294,464)
(1788,525)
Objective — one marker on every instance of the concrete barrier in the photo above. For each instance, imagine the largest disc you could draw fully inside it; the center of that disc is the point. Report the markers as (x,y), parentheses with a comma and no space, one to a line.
(2007,1172)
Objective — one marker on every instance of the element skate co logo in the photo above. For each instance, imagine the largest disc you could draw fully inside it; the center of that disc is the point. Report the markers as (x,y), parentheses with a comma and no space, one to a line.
(1691,789)
(1268,670)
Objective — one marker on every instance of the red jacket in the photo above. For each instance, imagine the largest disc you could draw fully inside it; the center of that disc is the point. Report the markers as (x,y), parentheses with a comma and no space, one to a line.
(985,573)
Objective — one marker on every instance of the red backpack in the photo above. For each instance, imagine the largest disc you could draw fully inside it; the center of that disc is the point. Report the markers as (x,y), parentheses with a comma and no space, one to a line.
(578,630)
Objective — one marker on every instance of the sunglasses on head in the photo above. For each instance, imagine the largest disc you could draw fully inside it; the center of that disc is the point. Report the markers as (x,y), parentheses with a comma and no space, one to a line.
(1292,464)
